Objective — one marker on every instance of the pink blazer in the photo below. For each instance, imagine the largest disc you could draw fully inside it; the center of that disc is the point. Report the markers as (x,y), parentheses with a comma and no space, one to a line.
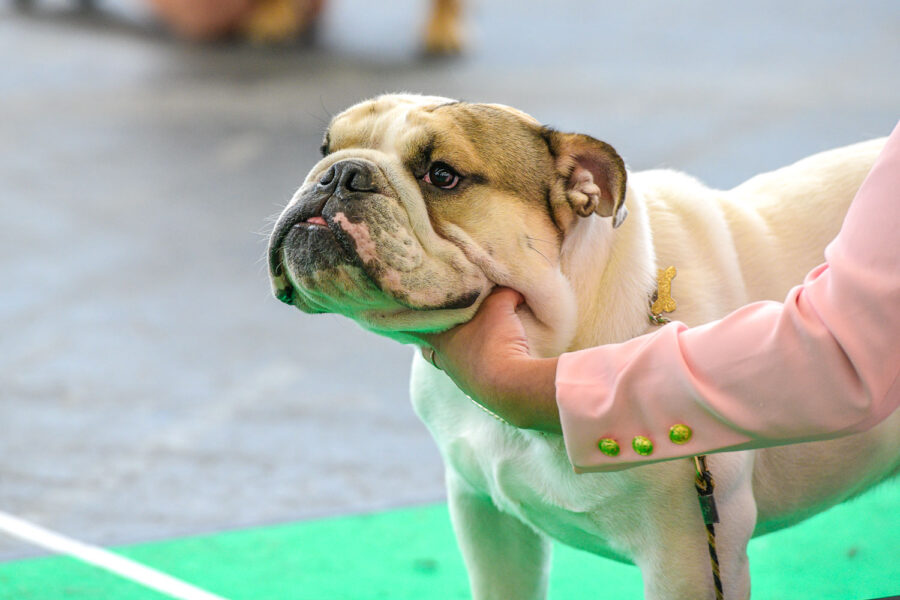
(823,364)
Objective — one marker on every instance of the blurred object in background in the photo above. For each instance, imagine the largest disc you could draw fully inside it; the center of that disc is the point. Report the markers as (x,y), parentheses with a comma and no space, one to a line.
(261,21)
(276,21)
(443,31)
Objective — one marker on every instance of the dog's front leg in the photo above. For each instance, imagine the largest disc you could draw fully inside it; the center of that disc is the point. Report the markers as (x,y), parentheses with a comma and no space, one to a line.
(671,547)
(506,559)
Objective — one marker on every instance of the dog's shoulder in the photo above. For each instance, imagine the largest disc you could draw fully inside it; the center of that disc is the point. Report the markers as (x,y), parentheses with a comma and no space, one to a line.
(840,170)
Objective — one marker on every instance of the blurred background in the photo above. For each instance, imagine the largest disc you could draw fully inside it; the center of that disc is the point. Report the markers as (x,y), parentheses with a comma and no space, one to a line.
(151,387)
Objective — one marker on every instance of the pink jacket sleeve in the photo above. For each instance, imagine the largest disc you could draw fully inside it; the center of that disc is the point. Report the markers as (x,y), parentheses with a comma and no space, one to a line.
(823,364)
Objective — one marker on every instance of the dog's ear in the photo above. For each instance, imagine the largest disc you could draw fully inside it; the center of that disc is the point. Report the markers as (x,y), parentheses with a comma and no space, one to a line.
(593,172)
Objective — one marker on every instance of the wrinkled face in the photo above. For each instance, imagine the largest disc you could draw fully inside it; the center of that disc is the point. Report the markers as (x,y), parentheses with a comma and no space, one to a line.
(420,206)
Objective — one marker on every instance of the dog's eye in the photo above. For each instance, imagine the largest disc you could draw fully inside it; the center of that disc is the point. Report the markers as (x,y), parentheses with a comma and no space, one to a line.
(441,175)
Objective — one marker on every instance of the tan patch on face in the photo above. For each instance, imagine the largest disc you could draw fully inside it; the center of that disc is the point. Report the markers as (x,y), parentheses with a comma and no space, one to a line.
(505,165)
(500,145)
(507,172)
(495,148)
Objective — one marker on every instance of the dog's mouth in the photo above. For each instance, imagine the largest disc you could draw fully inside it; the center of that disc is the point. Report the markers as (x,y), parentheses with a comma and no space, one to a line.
(311,213)
(307,237)
(303,229)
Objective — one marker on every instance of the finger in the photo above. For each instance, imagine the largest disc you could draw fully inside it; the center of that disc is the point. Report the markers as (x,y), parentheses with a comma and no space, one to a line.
(504,300)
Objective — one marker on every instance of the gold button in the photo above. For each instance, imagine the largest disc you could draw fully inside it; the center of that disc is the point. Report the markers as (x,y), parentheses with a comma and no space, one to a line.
(642,445)
(680,434)
(609,446)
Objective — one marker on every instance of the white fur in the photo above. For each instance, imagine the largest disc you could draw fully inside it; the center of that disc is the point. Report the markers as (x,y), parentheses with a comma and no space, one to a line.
(510,490)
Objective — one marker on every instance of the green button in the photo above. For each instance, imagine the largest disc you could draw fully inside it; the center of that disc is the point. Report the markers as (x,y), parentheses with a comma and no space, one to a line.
(642,445)
(680,434)
(609,446)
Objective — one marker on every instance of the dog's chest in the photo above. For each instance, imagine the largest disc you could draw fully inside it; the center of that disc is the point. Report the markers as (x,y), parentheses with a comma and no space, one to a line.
(527,474)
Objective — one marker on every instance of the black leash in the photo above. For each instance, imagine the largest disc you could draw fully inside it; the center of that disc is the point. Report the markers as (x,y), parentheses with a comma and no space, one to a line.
(661,301)
(705,485)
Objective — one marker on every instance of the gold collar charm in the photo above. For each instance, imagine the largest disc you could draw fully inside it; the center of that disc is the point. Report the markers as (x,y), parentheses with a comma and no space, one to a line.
(662,300)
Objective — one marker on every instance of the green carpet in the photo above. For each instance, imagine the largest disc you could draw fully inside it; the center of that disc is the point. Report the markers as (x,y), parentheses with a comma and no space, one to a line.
(850,552)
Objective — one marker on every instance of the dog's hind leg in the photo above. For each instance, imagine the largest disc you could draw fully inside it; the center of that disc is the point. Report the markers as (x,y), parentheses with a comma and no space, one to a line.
(506,559)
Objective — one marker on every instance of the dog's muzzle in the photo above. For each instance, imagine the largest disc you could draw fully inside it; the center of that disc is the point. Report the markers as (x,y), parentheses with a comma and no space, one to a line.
(311,215)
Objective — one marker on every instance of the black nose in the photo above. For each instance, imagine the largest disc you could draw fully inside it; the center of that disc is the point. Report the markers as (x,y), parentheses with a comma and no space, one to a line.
(348,176)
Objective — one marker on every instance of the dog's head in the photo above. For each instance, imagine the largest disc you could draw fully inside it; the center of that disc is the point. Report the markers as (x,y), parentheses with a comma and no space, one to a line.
(421,205)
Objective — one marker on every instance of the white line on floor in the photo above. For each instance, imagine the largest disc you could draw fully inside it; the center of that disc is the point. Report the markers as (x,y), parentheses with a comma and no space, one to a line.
(146,576)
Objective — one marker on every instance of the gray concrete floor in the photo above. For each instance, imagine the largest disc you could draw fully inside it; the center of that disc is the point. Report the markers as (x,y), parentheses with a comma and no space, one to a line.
(150,387)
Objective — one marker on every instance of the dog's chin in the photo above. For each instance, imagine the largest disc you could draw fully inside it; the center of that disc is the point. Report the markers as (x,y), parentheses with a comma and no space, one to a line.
(406,325)
(380,313)
(329,283)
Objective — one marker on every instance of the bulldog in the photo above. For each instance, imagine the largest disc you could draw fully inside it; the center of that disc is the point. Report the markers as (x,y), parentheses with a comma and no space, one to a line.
(421,205)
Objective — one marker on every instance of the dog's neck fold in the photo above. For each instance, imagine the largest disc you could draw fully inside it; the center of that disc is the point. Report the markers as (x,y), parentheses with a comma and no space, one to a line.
(550,308)
(549,314)
(611,272)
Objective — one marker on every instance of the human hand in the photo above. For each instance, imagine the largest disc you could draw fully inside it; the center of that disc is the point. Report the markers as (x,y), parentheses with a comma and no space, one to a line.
(489,359)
